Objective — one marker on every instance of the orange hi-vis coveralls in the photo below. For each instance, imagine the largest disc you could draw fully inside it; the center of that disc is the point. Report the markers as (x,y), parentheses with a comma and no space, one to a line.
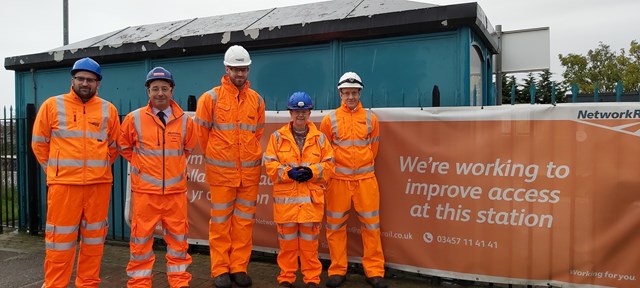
(75,144)
(354,136)
(298,208)
(158,157)
(230,124)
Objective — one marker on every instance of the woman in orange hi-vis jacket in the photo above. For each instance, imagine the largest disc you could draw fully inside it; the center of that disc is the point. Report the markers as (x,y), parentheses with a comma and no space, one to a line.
(74,139)
(156,140)
(299,161)
(353,132)
(230,120)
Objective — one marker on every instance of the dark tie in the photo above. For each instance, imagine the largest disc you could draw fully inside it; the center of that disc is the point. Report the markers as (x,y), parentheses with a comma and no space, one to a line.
(161,116)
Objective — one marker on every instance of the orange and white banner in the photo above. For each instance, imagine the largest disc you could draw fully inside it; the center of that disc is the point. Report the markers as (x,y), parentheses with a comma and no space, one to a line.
(524,194)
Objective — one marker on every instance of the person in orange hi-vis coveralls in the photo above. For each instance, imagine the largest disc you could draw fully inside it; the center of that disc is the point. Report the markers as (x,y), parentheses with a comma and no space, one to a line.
(74,140)
(156,140)
(299,161)
(353,132)
(230,120)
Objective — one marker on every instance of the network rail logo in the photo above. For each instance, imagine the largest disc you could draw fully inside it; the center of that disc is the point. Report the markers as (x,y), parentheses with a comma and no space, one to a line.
(590,115)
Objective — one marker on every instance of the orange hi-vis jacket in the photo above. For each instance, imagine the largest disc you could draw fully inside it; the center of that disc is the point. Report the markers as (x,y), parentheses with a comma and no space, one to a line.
(354,135)
(157,153)
(230,124)
(296,202)
(75,142)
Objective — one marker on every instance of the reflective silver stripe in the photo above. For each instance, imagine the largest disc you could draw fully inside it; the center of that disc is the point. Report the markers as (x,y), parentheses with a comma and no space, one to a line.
(78,134)
(144,256)
(137,123)
(184,133)
(222,206)
(95,225)
(98,163)
(78,163)
(369,214)
(288,224)
(336,214)
(93,241)
(292,200)
(158,182)
(254,163)
(319,176)
(60,246)
(247,127)
(61,229)
(105,118)
(203,123)
(371,226)
(334,126)
(140,240)
(289,236)
(62,114)
(270,158)
(335,226)
(307,224)
(220,219)
(281,172)
(177,254)
(122,148)
(150,152)
(177,268)
(347,171)
(178,238)
(369,120)
(375,139)
(308,237)
(246,203)
(39,139)
(220,163)
(224,127)
(139,273)
(243,214)
(322,139)
(347,143)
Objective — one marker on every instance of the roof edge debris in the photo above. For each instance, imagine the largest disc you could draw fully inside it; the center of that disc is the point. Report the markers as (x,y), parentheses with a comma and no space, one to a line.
(270,28)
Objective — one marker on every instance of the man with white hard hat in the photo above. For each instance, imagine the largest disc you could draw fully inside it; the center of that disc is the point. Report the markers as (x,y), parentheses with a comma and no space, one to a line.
(353,132)
(230,120)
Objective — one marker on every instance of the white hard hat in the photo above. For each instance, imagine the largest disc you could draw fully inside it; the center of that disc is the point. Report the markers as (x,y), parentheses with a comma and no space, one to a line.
(350,80)
(237,56)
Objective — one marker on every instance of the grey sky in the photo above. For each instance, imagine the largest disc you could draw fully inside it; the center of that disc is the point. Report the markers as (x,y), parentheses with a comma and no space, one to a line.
(34,26)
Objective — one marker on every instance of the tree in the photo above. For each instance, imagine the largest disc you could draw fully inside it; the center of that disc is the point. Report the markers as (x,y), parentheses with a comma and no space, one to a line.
(604,66)
(526,89)
(545,89)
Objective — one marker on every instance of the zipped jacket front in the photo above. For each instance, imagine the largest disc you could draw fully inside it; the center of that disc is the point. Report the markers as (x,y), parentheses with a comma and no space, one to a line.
(75,142)
(158,154)
(230,124)
(293,201)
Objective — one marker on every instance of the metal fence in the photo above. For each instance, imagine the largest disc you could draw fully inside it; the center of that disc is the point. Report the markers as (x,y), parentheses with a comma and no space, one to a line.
(9,202)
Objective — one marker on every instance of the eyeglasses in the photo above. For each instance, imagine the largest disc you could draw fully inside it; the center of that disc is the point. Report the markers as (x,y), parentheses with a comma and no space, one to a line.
(239,69)
(351,80)
(158,89)
(83,79)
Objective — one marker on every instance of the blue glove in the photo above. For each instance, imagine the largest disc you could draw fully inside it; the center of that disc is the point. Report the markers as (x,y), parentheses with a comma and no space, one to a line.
(305,173)
(294,173)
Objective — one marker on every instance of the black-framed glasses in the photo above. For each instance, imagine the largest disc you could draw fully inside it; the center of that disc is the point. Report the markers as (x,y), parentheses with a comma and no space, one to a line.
(352,81)
(83,79)
(239,69)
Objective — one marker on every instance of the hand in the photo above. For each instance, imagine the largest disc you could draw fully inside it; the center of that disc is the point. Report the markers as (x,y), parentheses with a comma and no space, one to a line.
(305,173)
(294,173)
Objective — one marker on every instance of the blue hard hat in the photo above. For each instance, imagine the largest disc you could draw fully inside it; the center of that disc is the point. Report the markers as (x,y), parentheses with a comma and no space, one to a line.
(299,100)
(159,73)
(87,64)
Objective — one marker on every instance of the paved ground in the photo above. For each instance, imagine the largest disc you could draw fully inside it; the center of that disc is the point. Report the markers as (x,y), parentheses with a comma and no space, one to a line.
(21,258)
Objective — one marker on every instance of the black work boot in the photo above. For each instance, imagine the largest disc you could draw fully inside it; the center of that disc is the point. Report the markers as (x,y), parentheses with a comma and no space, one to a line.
(241,279)
(336,280)
(377,282)
(222,281)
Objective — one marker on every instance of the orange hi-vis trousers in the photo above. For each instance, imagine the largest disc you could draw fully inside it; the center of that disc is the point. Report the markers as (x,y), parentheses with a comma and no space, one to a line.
(233,211)
(71,208)
(366,201)
(299,240)
(171,211)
